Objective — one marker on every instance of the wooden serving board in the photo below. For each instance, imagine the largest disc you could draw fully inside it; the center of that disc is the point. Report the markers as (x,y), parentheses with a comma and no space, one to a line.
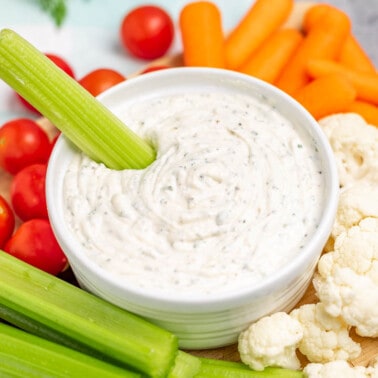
(369,345)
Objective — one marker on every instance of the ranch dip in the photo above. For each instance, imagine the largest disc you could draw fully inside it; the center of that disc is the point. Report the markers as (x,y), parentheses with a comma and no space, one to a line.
(233,196)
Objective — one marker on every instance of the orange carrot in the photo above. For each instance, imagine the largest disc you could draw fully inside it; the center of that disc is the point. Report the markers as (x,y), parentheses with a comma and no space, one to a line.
(365,83)
(323,40)
(261,20)
(366,110)
(202,35)
(352,55)
(269,60)
(327,95)
(314,15)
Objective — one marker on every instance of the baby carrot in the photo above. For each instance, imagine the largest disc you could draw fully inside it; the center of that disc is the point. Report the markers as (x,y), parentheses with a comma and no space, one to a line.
(261,20)
(365,83)
(366,110)
(270,58)
(352,55)
(202,35)
(323,40)
(327,95)
(314,15)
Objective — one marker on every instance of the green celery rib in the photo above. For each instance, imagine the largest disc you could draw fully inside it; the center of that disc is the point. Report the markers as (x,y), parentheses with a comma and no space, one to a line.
(52,308)
(25,355)
(185,366)
(212,368)
(81,117)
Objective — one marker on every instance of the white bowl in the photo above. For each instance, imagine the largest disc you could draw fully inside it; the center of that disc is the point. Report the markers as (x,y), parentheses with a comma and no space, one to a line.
(215,321)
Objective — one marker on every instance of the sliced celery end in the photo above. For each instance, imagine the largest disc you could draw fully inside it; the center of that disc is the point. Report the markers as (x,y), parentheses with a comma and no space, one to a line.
(25,355)
(81,117)
(78,317)
(185,366)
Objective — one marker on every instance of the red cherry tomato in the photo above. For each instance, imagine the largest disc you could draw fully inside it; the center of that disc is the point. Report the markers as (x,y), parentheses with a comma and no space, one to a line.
(61,63)
(28,192)
(7,221)
(147,32)
(34,242)
(22,143)
(99,80)
(154,68)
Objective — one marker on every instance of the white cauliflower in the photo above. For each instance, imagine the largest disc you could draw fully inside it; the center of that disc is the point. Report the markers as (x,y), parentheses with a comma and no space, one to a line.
(347,278)
(325,338)
(271,341)
(355,203)
(354,143)
(338,368)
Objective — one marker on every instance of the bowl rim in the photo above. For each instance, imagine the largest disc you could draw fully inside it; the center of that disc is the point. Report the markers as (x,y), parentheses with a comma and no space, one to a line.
(221,300)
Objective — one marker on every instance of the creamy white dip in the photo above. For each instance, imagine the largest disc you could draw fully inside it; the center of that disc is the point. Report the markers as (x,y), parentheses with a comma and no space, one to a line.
(233,195)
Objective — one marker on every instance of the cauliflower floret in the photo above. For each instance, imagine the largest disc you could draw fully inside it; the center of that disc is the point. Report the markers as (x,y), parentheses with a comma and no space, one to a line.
(354,143)
(271,341)
(352,296)
(357,248)
(325,338)
(355,203)
(347,278)
(338,368)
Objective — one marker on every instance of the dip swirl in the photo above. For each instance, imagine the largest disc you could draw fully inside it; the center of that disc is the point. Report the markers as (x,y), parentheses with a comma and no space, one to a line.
(235,192)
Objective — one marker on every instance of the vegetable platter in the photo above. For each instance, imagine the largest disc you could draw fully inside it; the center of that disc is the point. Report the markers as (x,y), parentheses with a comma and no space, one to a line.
(82,24)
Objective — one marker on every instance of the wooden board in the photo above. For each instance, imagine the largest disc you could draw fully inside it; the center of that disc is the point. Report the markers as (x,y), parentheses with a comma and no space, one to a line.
(369,346)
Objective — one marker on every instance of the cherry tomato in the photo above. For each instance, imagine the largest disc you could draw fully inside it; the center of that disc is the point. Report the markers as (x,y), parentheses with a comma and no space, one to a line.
(7,221)
(28,192)
(154,68)
(61,63)
(99,80)
(34,242)
(147,32)
(22,143)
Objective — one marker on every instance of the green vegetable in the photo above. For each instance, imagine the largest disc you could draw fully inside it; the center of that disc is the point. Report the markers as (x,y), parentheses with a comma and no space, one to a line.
(81,117)
(185,366)
(25,355)
(211,368)
(54,309)
(57,9)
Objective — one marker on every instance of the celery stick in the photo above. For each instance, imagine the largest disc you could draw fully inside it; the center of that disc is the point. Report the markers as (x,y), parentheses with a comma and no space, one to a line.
(81,117)
(25,355)
(52,308)
(185,366)
(211,368)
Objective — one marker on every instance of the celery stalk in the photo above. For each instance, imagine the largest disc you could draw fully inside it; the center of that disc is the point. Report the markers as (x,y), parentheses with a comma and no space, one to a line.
(185,366)
(25,355)
(57,310)
(81,117)
(211,368)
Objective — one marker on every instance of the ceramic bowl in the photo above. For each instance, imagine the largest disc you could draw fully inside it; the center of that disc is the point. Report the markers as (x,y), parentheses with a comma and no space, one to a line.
(210,322)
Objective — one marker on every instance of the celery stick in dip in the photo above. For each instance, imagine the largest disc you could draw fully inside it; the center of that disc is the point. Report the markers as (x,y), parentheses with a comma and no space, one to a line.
(233,195)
